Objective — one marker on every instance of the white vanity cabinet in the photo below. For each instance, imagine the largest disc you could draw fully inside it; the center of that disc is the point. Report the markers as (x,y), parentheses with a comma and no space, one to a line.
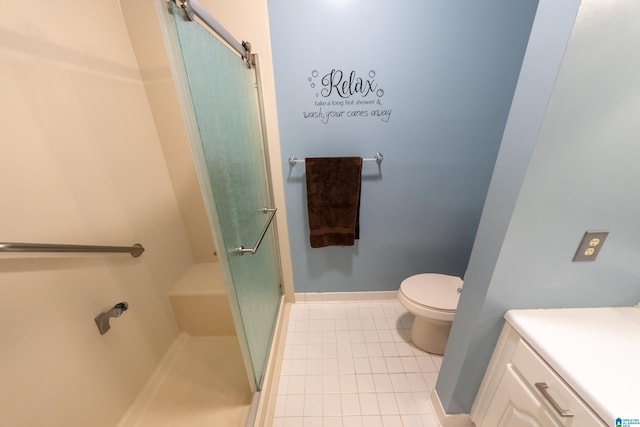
(513,405)
(520,389)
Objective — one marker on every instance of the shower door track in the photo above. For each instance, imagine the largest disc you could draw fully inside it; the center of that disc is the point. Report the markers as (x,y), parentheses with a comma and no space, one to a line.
(193,7)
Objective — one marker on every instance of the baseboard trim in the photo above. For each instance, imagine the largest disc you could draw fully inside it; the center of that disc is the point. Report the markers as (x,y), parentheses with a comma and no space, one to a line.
(142,401)
(448,420)
(302,297)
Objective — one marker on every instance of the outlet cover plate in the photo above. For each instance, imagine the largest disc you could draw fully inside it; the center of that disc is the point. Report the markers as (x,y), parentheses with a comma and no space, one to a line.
(590,245)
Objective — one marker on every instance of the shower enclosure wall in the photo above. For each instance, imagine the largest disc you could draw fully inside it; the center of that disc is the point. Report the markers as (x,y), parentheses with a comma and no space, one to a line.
(174,123)
(90,160)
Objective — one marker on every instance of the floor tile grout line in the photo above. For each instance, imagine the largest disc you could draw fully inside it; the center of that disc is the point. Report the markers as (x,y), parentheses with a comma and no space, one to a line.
(314,322)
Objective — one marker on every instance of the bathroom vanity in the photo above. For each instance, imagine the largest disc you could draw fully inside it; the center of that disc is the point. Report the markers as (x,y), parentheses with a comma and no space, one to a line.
(563,367)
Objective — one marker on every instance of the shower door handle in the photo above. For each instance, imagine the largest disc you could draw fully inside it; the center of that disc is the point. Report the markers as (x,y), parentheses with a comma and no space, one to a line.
(241,250)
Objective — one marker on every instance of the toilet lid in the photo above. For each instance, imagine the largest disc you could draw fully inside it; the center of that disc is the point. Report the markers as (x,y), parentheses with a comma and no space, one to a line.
(439,291)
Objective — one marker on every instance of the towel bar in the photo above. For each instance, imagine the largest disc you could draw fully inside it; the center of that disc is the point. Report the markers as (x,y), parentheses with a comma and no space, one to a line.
(377,158)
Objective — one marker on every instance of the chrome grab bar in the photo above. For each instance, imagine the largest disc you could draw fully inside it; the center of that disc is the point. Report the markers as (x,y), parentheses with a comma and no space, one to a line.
(241,250)
(135,250)
(566,413)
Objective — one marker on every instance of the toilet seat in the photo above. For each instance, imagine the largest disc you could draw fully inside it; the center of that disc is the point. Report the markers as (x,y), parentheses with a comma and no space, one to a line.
(431,295)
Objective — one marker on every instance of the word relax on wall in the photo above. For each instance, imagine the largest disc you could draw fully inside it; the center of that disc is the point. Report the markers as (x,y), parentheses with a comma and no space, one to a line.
(341,95)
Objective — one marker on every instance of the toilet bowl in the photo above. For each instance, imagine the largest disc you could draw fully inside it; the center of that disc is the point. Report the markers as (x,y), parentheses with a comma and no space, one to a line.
(433,299)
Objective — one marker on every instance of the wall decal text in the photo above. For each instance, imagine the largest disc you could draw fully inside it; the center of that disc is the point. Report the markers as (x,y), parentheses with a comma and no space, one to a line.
(346,95)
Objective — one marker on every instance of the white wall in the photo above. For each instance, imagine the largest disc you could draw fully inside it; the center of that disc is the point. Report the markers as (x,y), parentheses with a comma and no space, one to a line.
(581,174)
(80,162)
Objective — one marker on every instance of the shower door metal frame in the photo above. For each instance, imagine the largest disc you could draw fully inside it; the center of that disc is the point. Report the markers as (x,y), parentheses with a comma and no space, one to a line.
(252,60)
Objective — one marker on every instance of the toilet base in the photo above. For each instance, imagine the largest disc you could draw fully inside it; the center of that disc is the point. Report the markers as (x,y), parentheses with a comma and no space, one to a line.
(430,335)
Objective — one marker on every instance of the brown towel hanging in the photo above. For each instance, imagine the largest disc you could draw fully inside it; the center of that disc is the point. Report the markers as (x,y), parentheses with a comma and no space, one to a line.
(333,200)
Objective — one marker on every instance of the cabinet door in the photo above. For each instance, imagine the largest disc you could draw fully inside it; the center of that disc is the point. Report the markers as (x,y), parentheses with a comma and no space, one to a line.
(513,405)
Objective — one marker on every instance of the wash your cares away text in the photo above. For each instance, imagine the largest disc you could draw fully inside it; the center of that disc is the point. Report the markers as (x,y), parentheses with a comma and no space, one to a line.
(342,88)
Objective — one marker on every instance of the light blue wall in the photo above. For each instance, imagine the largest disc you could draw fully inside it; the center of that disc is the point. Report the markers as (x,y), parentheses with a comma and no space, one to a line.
(448,71)
(561,171)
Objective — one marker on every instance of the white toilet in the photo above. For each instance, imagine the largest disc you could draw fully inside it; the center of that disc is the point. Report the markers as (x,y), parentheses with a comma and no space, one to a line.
(433,299)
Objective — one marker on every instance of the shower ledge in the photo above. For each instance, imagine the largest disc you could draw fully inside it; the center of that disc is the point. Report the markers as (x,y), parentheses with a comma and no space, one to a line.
(200,302)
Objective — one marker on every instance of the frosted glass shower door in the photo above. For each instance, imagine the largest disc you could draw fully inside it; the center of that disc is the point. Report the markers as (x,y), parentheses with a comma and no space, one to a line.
(225,102)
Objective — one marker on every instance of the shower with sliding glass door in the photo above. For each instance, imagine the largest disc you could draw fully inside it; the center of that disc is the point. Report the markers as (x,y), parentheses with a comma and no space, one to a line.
(219,85)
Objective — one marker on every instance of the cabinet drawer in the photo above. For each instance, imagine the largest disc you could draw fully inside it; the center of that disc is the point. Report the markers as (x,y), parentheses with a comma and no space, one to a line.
(536,371)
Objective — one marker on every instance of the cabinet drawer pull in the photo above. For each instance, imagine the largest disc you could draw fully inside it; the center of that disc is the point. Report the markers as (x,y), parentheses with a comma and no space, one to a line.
(562,412)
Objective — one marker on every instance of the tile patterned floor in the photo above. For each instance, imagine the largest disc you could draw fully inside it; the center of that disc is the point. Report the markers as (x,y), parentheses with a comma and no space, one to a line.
(351,364)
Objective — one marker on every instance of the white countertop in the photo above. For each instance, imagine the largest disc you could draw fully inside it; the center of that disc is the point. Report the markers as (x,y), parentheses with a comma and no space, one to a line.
(595,350)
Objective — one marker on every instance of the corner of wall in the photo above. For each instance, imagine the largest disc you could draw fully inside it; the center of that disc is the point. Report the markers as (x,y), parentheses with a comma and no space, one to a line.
(476,327)
(144,29)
